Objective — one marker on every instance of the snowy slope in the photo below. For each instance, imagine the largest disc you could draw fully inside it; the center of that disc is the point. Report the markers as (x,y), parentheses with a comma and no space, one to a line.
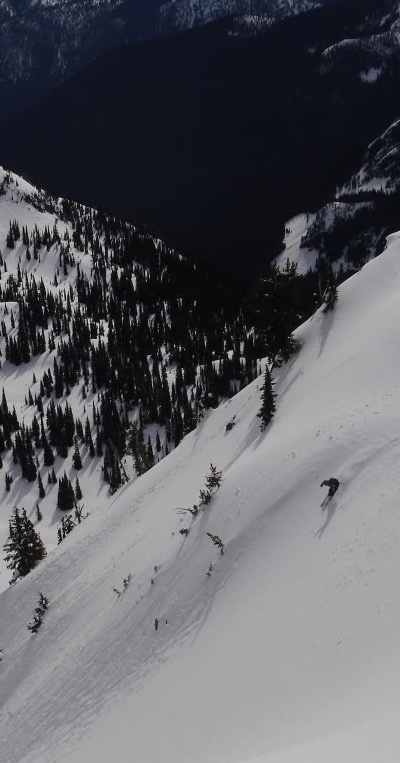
(17,381)
(290,649)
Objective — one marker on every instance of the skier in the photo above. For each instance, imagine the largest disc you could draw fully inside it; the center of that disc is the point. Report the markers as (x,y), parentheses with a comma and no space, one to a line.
(333,485)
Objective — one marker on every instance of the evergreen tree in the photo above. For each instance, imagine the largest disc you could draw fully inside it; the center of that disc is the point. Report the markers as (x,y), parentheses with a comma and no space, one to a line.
(24,547)
(213,479)
(268,406)
(66,496)
(78,491)
(277,311)
(330,295)
(42,492)
(76,458)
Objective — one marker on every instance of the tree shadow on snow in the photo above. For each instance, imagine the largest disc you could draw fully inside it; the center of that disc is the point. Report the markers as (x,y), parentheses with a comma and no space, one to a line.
(328,512)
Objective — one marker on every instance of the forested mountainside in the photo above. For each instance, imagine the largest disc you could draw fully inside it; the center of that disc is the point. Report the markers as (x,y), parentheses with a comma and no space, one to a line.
(144,339)
(113,347)
(43,42)
(212,140)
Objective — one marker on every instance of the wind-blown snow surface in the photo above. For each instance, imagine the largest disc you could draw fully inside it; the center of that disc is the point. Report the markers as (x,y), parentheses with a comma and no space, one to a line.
(290,650)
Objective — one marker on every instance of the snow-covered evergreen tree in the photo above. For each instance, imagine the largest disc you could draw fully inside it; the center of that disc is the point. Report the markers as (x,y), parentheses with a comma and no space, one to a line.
(213,479)
(24,547)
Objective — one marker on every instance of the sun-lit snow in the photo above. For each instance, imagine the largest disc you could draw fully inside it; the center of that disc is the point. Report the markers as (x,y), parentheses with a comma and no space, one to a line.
(289,651)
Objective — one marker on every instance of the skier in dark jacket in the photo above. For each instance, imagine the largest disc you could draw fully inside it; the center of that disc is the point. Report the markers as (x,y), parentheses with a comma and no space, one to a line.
(333,485)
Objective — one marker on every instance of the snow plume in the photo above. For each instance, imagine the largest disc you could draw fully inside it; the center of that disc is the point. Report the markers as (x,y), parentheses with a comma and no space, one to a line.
(283,649)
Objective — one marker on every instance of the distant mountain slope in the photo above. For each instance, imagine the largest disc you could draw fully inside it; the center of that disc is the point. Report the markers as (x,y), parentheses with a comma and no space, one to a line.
(352,228)
(184,14)
(213,140)
(289,649)
(43,42)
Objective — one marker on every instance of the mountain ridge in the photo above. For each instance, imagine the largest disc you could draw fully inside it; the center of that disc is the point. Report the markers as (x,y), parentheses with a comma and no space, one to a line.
(210,125)
(44,43)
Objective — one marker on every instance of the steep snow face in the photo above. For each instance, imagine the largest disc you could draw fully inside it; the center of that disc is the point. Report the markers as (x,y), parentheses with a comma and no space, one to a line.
(289,649)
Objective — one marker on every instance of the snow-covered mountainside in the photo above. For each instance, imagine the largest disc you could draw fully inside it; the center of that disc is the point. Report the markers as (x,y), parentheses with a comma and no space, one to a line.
(112,346)
(352,228)
(284,648)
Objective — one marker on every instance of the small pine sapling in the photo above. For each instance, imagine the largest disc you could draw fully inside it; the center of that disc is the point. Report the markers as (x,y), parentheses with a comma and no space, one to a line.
(37,621)
(127,580)
(205,497)
(213,479)
(217,541)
